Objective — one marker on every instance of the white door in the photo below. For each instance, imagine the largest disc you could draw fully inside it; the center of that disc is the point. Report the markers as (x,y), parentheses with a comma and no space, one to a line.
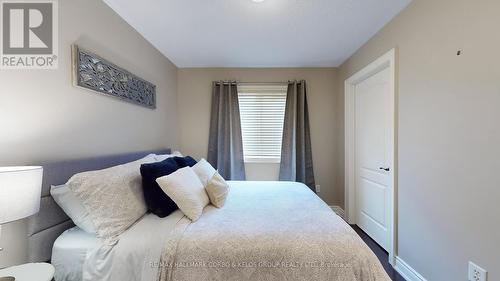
(373,154)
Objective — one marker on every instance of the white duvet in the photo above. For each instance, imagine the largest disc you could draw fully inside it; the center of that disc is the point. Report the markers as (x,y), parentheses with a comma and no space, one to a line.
(266,231)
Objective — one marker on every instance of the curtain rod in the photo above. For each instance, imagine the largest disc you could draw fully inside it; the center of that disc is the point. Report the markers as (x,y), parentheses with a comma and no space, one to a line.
(259,83)
(264,83)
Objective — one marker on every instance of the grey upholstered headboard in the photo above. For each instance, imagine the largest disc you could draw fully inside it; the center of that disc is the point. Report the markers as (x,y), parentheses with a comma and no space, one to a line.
(51,221)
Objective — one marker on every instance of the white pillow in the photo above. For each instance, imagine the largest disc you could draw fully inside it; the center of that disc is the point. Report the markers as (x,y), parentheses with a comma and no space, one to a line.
(65,198)
(204,171)
(161,157)
(217,190)
(113,196)
(186,190)
(215,185)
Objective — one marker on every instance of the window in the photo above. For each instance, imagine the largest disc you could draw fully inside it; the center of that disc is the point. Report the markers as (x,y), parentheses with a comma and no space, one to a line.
(262,110)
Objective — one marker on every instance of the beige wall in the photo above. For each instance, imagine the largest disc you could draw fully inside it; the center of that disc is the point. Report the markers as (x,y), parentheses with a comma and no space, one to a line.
(194,115)
(44,118)
(262,171)
(449,133)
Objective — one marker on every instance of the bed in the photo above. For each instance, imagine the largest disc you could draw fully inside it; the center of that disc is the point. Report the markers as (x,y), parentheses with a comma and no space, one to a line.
(266,231)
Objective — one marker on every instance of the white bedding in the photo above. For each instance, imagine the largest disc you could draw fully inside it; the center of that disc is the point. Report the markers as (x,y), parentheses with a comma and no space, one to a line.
(78,255)
(131,257)
(268,231)
(70,252)
(271,216)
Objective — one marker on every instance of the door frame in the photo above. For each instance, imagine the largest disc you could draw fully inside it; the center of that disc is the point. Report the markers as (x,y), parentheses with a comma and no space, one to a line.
(388,60)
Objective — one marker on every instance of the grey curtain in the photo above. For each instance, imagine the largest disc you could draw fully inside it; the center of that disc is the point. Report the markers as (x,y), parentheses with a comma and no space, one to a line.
(296,154)
(225,144)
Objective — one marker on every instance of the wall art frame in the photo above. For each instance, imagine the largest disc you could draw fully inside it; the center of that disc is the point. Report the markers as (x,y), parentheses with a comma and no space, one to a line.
(94,73)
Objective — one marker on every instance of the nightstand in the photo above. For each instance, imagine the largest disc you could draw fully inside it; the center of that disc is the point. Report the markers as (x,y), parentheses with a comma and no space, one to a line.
(29,272)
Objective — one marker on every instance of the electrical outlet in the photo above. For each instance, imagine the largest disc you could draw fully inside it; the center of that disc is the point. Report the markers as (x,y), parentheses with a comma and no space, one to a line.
(476,273)
(318,188)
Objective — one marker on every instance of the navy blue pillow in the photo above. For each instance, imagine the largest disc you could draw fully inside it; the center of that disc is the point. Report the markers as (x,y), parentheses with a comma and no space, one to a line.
(185,161)
(157,201)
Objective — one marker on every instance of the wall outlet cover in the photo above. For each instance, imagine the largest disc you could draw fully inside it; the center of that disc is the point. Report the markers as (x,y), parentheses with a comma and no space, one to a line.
(476,273)
(318,188)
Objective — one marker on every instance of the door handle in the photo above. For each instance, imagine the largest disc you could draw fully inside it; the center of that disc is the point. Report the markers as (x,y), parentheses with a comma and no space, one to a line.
(385,169)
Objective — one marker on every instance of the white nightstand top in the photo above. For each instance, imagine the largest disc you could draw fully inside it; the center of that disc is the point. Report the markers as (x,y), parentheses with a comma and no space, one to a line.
(30,272)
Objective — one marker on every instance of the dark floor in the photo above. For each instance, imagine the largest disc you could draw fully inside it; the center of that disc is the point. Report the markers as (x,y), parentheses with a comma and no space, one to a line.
(380,253)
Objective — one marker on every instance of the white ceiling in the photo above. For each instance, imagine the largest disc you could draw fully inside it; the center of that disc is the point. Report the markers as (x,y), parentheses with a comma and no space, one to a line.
(241,33)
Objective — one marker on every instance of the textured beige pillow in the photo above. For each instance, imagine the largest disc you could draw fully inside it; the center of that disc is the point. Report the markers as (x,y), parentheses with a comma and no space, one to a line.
(186,190)
(204,171)
(215,185)
(217,190)
(113,196)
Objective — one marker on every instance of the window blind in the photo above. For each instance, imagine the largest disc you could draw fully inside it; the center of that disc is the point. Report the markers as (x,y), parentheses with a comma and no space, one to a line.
(262,111)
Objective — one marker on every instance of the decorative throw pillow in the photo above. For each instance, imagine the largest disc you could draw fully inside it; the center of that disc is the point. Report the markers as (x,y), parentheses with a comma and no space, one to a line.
(113,197)
(185,161)
(215,185)
(184,187)
(204,171)
(65,198)
(217,190)
(157,201)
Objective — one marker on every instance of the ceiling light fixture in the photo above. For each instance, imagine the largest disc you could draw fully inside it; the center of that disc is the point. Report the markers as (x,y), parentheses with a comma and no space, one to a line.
(258,1)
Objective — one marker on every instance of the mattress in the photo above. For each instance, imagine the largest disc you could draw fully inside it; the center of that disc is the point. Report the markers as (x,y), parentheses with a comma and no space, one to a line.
(70,252)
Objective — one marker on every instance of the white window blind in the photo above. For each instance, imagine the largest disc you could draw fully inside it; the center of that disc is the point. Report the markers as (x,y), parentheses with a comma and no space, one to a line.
(262,110)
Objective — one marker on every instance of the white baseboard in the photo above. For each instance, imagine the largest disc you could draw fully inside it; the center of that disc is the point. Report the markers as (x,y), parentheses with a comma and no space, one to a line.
(339,211)
(407,272)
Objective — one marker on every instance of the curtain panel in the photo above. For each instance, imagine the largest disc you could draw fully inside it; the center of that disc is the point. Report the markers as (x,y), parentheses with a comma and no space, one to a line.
(296,153)
(225,144)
